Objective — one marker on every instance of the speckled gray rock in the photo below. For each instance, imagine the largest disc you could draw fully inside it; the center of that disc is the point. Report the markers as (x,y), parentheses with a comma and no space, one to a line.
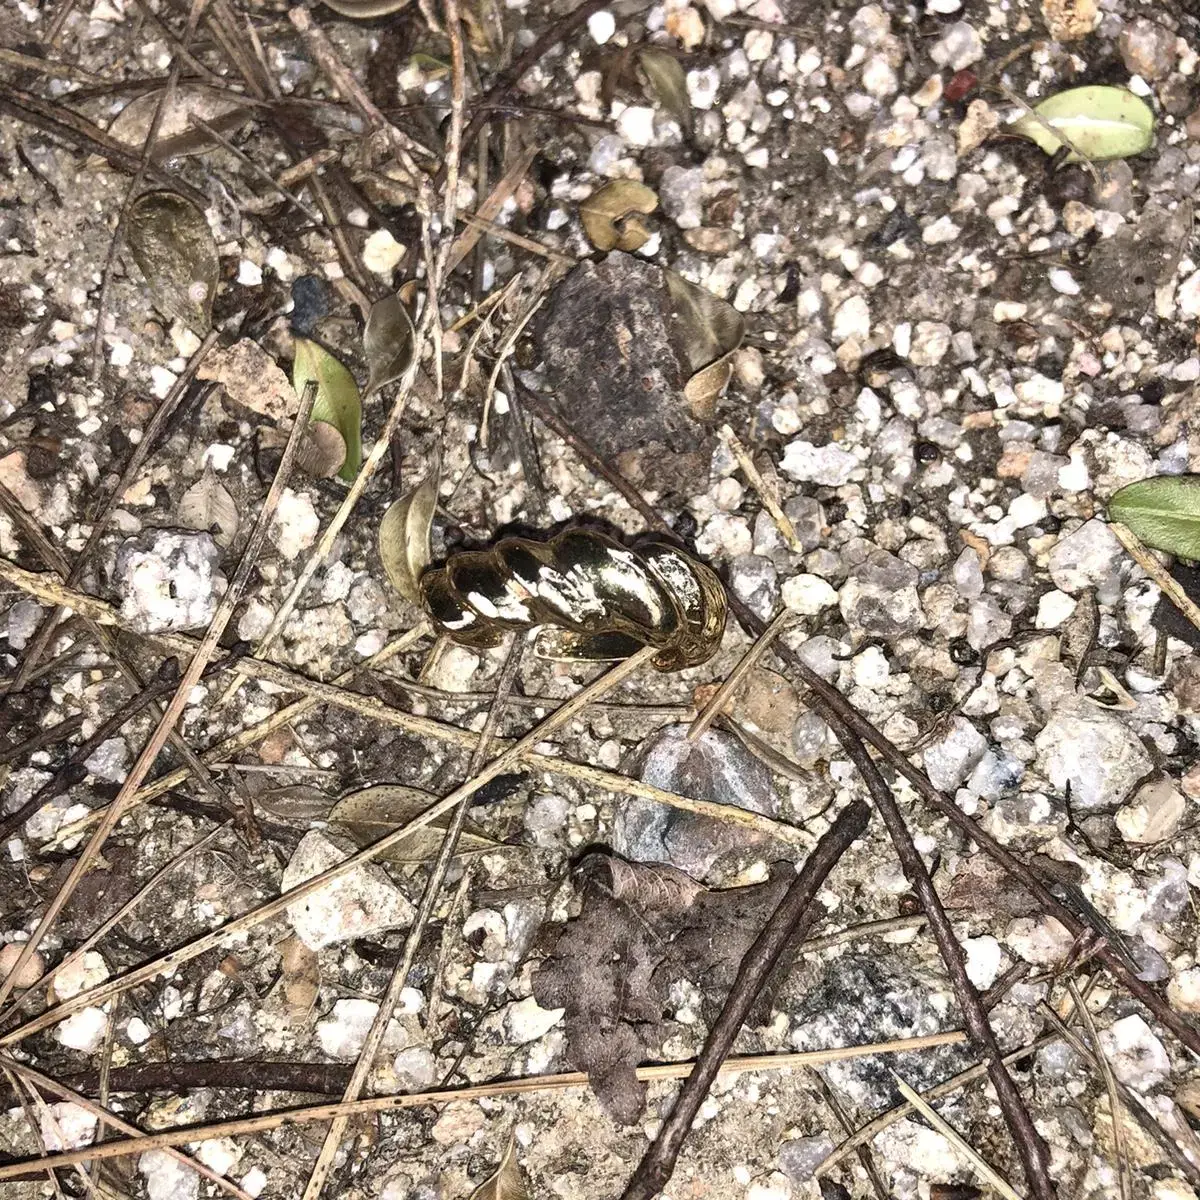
(754,579)
(954,755)
(168,579)
(800,1157)
(1088,557)
(715,767)
(880,596)
(1094,754)
(877,998)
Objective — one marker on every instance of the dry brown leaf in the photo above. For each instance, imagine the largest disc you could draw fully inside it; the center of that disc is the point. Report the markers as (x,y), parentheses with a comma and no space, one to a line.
(177,136)
(322,451)
(707,331)
(171,242)
(668,84)
(301,980)
(207,505)
(507,1183)
(374,812)
(610,215)
(388,342)
(251,378)
(404,534)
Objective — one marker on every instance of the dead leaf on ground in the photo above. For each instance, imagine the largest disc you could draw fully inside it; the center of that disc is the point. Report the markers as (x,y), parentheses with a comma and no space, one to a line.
(707,330)
(388,342)
(208,506)
(251,378)
(404,534)
(610,215)
(177,136)
(322,451)
(374,812)
(301,979)
(667,84)
(171,242)
(297,806)
(641,929)
(507,1183)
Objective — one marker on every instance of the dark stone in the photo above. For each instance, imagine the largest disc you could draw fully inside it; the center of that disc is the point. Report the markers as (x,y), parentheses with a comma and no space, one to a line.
(609,354)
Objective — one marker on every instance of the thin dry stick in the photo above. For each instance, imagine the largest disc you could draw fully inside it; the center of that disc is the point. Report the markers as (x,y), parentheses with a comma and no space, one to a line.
(92,1171)
(805,1059)
(195,669)
(947,1087)
(765,494)
(1110,1084)
(498,765)
(795,914)
(712,710)
(36,1079)
(33,1120)
(489,210)
(983,1169)
(433,886)
(1140,553)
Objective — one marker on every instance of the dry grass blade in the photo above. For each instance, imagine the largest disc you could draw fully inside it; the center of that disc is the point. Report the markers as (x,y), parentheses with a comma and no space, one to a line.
(489,210)
(805,1059)
(985,1172)
(766,494)
(174,710)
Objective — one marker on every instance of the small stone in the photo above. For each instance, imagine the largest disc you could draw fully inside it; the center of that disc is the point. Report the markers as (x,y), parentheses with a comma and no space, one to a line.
(968,574)
(681,193)
(829,465)
(381,253)
(526,1020)
(83,1031)
(30,973)
(601,26)
(808,594)
(24,620)
(958,47)
(343,1033)
(1154,814)
(776,1186)
(107,761)
(65,1126)
(1043,941)
(89,970)
(636,125)
(546,819)
(362,902)
(220,1155)
(1053,609)
(1188,295)
(801,1157)
(1139,1060)
(931,340)
(167,1178)
(984,959)
(1184,991)
(1088,557)
(880,596)
(977,126)
(455,669)
(1069,20)
(852,320)
(415,1069)
(954,755)
(1148,48)
(295,525)
(1094,754)
(168,580)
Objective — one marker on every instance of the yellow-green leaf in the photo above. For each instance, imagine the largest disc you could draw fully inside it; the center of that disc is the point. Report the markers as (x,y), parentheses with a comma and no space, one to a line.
(374,812)
(1099,122)
(337,402)
(610,217)
(404,534)
(1163,512)
(171,242)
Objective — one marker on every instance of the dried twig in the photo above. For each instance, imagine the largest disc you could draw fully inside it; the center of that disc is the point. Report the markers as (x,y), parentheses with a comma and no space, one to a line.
(794,916)
(805,1059)
(765,493)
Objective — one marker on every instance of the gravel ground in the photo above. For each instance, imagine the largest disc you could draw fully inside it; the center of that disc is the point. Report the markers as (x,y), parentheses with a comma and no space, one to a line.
(955,352)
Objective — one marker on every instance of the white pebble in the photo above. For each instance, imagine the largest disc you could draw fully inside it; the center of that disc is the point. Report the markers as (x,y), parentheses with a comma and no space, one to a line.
(601,26)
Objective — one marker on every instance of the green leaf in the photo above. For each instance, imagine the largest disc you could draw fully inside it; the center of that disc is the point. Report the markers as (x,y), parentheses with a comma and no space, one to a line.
(1163,512)
(404,534)
(1099,122)
(373,813)
(338,403)
(171,242)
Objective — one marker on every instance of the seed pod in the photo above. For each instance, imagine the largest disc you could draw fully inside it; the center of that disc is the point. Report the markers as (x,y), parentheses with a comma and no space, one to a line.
(602,599)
